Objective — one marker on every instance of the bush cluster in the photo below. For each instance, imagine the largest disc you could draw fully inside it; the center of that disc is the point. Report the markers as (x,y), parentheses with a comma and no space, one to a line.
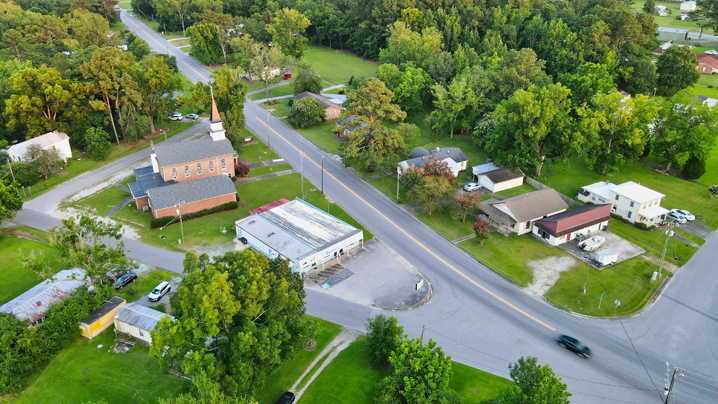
(242,170)
(163,221)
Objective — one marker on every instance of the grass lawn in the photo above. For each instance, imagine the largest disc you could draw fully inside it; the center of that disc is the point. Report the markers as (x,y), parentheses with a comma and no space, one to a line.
(628,281)
(689,236)
(671,20)
(711,175)
(387,185)
(86,164)
(510,256)
(280,107)
(287,89)
(349,379)
(103,202)
(117,27)
(288,372)
(654,241)
(321,135)
(256,172)
(256,152)
(125,5)
(144,284)
(111,378)
(15,280)
(337,67)
(705,80)
(449,227)
(335,91)
(204,233)
(525,188)
(680,193)
(253,86)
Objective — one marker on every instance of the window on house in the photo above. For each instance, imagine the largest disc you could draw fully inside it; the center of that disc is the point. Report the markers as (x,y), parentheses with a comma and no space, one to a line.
(141,333)
(629,214)
(199,168)
(616,197)
(593,198)
(174,173)
(528,224)
(631,203)
(211,166)
(186,171)
(224,164)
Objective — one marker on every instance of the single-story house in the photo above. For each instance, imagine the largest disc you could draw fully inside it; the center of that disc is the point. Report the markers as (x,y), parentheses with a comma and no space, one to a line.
(707,64)
(497,179)
(630,200)
(565,226)
(688,6)
(100,319)
(349,128)
(332,109)
(661,11)
(137,321)
(300,232)
(34,304)
(672,34)
(520,212)
(453,157)
(58,140)
(711,102)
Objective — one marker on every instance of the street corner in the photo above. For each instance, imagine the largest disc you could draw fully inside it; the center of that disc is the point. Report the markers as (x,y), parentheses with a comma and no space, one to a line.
(375,276)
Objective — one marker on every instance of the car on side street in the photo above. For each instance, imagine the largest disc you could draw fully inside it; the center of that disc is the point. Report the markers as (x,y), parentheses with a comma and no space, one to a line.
(286,398)
(688,215)
(177,116)
(574,345)
(287,76)
(193,117)
(472,186)
(676,217)
(124,280)
(159,291)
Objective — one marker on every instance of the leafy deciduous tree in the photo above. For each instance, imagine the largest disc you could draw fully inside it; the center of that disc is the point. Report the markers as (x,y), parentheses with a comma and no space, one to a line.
(10,200)
(287,30)
(431,193)
(383,338)
(676,70)
(533,384)
(97,143)
(306,112)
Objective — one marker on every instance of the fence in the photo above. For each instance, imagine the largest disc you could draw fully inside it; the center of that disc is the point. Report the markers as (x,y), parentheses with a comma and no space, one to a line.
(569,201)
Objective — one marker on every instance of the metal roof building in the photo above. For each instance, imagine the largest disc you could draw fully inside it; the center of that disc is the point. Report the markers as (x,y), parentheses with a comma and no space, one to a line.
(34,304)
(300,232)
(138,321)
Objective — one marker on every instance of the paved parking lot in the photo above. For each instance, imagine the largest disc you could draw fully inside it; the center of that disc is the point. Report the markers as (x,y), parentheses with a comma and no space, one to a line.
(625,248)
(697,229)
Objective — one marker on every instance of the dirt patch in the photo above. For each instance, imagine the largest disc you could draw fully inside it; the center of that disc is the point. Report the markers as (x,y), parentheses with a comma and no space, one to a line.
(123,346)
(26,235)
(667,264)
(547,271)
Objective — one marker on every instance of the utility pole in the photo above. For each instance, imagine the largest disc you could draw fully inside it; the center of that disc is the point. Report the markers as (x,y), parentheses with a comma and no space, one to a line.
(179,213)
(269,142)
(322,174)
(137,395)
(11,173)
(588,266)
(673,382)
(617,303)
(665,247)
(397,185)
(423,327)
(301,165)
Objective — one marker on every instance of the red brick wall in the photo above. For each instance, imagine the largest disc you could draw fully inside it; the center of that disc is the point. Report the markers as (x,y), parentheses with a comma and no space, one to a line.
(196,206)
(701,66)
(141,202)
(333,113)
(166,172)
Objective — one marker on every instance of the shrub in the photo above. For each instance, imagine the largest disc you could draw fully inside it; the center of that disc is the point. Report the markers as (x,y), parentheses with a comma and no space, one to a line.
(342,90)
(642,226)
(290,102)
(163,221)
(694,168)
(383,337)
(25,174)
(620,219)
(713,189)
(242,170)
(710,85)
(98,143)
(306,112)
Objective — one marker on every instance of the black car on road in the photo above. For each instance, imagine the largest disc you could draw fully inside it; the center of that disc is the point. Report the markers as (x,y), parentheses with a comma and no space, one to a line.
(574,345)
(125,280)
(286,398)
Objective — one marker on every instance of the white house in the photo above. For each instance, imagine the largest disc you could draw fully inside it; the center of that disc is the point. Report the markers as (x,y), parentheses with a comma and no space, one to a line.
(497,179)
(55,139)
(520,212)
(661,11)
(453,157)
(565,226)
(711,102)
(688,6)
(137,321)
(298,231)
(630,200)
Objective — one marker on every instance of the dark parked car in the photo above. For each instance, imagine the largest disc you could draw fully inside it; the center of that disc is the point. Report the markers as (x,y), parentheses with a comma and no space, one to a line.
(125,280)
(286,398)
(243,240)
(574,345)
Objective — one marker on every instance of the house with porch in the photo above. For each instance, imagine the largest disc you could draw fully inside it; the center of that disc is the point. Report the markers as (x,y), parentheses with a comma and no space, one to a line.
(633,202)
(520,212)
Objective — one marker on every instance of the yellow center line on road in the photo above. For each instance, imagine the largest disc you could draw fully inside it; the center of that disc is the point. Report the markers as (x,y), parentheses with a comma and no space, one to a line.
(158,43)
(190,67)
(499,298)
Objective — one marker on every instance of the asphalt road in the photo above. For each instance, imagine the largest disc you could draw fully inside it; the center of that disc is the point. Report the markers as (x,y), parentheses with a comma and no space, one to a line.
(477,316)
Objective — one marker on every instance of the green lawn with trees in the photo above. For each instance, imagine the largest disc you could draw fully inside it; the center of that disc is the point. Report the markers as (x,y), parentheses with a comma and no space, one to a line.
(337,67)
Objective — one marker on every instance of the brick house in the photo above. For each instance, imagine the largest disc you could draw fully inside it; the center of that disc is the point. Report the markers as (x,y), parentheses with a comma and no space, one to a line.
(332,109)
(707,64)
(194,174)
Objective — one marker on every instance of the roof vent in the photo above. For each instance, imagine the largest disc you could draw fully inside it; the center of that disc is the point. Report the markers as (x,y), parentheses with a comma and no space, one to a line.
(38,303)
(252,222)
(270,234)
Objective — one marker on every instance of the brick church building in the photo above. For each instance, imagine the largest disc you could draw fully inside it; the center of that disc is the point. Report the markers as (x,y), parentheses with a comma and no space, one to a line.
(192,175)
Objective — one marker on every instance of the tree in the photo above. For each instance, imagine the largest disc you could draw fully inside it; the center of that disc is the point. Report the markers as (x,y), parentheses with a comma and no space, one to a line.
(421,374)
(266,66)
(306,112)
(451,102)
(138,47)
(465,205)
(306,79)
(649,7)
(533,126)
(90,29)
(25,174)
(642,77)
(10,200)
(46,161)
(167,8)
(383,338)
(676,70)
(287,30)
(244,48)
(82,244)
(616,130)
(109,73)
(205,391)
(441,68)
(686,127)
(405,45)
(205,42)
(156,85)
(97,143)
(481,230)
(694,167)
(533,384)
(235,337)
(589,80)
(409,85)
(431,193)
(518,70)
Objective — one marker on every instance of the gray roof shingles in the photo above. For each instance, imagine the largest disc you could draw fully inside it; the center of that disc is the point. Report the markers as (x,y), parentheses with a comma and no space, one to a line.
(146,179)
(192,150)
(190,191)
(525,207)
(454,152)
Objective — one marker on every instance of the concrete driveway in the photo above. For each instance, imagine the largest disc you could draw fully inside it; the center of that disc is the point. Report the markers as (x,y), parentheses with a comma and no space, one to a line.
(697,229)
(625,248)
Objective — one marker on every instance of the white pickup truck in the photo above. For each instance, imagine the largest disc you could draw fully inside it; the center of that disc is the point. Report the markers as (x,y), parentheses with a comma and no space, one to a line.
(592,243)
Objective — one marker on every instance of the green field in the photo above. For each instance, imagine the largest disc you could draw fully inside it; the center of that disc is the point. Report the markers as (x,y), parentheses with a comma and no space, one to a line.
(15,280)
(671,20)
(103,202)
(349,379)
(702,86)
(286,89)
(653,241)
(280,107)
(321,135)
(449,227)
(256,152)
(256,172)
(336,67)
(387,185)
(711,175)
(509,193)
(111,378)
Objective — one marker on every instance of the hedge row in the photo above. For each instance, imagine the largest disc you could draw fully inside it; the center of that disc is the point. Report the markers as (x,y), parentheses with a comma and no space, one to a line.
(641,226)
(162,221)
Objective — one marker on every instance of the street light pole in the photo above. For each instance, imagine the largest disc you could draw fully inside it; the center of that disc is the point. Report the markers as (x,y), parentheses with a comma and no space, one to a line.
(397,185)
(588,266)
(269,142)
(164,133)
(179,213)
(322,174)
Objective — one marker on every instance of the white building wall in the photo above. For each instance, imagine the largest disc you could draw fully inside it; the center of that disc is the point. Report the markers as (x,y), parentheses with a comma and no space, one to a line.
(553,241)
(134,332)
(623,208)
(501,186)
(484,180)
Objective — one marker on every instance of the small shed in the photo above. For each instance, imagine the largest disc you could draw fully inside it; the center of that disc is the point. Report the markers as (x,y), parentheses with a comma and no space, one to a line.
(500,179)
(137,321)
(661,11)
(100,319)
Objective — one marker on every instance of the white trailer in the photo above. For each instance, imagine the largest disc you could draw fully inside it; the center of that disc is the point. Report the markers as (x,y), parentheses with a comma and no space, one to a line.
(605,257)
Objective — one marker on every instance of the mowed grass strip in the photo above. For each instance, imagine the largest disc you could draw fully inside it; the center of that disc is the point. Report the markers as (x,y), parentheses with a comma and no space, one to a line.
(288,372)
(337,67)
(450,227)
(111,378)
(102,203)
(654,241)
(323,137)
(259,171)
(510,193)
(279,91)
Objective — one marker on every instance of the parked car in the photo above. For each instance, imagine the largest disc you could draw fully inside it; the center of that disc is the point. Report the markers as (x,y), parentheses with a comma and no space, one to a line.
(688,215)
(177,116)
(574,345)
(286,398)
(592,243)
(160,290)
(287,76)
(125,280)
(676,217)
(193,117)
(472,186)
(243,240)
(711,52)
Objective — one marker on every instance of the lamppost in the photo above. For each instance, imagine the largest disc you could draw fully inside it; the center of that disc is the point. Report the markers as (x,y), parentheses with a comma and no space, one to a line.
(269,142)
(322,174)
(164,133)
(179,213)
